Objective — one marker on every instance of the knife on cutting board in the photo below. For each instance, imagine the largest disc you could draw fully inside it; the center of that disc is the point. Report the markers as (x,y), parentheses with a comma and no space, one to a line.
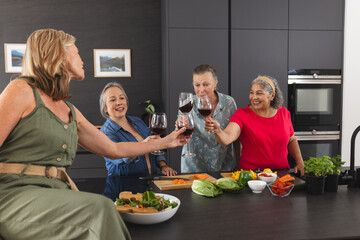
(163,178)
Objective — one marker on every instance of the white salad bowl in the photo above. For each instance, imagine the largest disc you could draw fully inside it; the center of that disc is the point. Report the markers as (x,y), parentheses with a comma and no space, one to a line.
(153,218)
(270,179)
(257,185)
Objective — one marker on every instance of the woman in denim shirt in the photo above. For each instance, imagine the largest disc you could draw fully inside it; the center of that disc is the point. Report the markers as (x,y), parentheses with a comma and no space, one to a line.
(122,128)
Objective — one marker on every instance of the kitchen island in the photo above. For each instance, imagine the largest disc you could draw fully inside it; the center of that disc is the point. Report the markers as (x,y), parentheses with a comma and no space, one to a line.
(244,215)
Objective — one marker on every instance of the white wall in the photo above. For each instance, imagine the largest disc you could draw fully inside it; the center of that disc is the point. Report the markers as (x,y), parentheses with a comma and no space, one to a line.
(351,82)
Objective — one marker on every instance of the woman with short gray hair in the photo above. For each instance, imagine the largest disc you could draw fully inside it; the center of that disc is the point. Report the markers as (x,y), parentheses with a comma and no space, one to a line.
(264,128)
(120,127)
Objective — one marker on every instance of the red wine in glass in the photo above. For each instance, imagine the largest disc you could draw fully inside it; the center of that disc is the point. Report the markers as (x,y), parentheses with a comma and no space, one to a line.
(158,126)
(188,132)
(204,107)
(205,112)
(186,102)
(186,108)
(186,120)
(157,130)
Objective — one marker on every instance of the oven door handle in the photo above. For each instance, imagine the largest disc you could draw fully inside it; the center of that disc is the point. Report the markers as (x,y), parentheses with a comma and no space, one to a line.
(318,137)
(292,103)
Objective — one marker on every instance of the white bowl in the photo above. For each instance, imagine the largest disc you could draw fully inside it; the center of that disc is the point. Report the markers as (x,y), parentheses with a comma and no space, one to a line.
(268,179)
(257,185)
(152,218)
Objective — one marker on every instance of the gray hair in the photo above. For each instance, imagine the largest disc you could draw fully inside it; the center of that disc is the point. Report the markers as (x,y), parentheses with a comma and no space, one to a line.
(278,99)
(102,99)
(204,68)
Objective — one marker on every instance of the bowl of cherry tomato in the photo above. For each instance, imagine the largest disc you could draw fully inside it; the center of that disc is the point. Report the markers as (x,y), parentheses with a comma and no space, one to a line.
(267,177)
(280,189)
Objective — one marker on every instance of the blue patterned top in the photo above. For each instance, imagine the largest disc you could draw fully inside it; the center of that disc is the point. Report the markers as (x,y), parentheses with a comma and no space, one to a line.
(211,156)
(126,166)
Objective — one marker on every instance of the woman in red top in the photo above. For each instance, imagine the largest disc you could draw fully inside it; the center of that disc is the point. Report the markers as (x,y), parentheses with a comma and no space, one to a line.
(264,128)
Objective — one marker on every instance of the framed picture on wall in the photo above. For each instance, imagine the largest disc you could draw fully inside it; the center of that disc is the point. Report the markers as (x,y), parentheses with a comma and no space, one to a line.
(14,54)
(112,63)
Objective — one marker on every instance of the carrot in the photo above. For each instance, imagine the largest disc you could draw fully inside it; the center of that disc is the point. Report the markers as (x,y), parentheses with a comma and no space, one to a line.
(178,181)
(287,178)
(200,176)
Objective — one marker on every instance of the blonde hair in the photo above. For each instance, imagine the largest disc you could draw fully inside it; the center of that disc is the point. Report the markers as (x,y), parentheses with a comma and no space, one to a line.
(44,62)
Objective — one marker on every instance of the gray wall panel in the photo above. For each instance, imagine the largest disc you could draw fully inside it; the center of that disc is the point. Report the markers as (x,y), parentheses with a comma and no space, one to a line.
(316,14)
(255,52)
(315,49)
(259,14)
(198,13)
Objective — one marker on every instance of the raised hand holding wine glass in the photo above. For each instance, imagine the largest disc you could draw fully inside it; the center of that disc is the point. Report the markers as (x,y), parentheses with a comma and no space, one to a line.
(158,126)
(186,102)
(186,120)
(205,108)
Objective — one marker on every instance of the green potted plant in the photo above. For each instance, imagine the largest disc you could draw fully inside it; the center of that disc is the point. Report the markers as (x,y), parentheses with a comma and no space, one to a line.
(149,110)
(332,178)
(316,170)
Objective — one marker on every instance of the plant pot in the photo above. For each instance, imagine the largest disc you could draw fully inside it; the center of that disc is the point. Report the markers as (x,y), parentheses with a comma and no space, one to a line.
(315,185)
(332,183)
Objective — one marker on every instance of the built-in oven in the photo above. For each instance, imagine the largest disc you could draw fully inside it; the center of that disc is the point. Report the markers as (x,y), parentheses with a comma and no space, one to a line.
(314,101)
(317,144)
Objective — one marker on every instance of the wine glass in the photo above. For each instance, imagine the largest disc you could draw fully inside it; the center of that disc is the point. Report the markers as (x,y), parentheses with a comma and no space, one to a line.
(186,102)
(204,107)
(186,120)
(158,126)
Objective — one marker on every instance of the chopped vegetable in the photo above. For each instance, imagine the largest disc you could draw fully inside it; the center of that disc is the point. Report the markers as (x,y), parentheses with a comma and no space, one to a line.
(179,181)
(281,188)
(268,170)
(229,185)
(236,175)
(206,188)
(265,175)
(286,178)
(200,176)
(253,174)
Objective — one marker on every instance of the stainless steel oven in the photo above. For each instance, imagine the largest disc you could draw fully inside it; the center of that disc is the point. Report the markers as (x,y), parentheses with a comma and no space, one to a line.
(315,99)
(317,144)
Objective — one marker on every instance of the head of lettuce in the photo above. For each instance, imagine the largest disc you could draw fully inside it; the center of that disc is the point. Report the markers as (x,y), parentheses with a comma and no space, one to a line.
(206,188)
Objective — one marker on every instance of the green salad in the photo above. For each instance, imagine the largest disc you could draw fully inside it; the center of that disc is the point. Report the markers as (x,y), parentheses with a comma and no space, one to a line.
(149,199)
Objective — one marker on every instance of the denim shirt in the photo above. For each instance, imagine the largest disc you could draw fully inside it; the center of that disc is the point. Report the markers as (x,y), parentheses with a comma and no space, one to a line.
(127,166)
(211,156)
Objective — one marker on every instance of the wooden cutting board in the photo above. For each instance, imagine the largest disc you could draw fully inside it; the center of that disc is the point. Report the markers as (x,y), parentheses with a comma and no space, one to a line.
(168,185)
(226,175)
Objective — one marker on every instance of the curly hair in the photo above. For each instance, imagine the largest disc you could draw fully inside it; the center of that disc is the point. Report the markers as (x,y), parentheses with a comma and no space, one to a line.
(278,99)
(44,62)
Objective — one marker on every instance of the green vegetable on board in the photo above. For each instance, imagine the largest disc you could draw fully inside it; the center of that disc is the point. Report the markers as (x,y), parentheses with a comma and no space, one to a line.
(229,185)
(206,188)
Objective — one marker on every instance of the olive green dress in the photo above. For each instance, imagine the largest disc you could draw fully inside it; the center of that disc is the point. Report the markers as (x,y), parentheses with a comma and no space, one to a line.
(35,207)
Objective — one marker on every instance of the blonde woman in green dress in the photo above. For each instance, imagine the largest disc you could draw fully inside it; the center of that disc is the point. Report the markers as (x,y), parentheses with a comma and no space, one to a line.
(39,134)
